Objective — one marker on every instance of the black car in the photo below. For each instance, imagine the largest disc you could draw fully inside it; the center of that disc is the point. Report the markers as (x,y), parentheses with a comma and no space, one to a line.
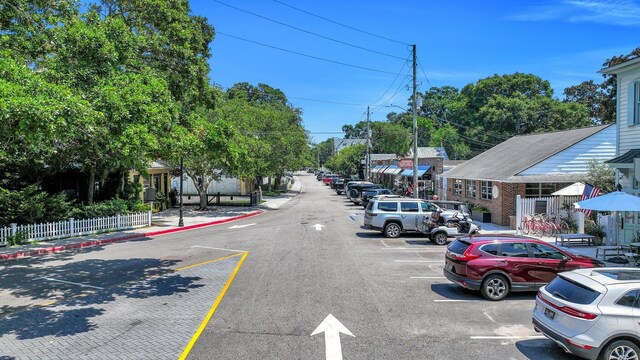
(319,175)
(355,191)
(369,193)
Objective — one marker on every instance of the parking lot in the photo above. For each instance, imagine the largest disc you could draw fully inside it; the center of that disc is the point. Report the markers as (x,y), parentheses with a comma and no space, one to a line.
(410,268)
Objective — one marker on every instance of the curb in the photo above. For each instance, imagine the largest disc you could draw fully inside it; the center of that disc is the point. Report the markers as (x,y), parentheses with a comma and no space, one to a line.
(90,243)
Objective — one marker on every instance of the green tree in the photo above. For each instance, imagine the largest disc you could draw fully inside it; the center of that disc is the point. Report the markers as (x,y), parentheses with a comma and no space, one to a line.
(389,138)
(347,161)
(601,175)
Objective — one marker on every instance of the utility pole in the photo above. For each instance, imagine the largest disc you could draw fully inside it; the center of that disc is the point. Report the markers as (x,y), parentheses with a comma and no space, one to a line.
(415,129)
(180,220)
(367,172)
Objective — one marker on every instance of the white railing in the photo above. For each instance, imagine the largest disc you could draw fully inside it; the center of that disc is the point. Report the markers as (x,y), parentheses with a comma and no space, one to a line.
(72,227)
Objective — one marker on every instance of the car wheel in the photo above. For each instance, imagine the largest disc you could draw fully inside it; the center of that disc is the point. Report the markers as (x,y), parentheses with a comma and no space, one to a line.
(619,350)
(495,287)
(339,192)
(392,230)
(353,193)
(440,238)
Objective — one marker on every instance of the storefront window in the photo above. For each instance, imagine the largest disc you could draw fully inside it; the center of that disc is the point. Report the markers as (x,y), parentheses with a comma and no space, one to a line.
(471,188)
(457,187)
(540,189)
(486,190)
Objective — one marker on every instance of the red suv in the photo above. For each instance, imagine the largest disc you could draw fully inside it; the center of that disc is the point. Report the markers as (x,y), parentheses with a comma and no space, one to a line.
(498,264)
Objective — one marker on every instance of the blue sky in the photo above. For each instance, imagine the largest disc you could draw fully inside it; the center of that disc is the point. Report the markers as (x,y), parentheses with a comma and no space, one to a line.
(458,42)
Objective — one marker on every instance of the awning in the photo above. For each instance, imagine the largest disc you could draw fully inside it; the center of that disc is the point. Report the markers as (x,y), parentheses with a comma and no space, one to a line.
(626,158)
(376,168)
(393,170)
(421,170)
(379,169)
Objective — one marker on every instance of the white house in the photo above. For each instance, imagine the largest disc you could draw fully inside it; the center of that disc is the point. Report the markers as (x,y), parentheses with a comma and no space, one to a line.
(627,162)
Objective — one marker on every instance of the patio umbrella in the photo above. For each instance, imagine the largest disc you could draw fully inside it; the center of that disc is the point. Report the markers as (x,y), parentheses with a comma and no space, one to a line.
(571,190)
(615,201)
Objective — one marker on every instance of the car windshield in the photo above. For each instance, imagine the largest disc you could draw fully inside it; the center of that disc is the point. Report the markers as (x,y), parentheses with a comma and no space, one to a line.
(571,291)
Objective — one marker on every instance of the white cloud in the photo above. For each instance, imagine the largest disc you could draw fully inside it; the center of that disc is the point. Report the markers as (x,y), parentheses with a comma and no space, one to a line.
(613,12)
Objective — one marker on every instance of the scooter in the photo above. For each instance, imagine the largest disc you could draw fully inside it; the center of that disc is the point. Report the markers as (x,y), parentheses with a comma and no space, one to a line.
(439,229)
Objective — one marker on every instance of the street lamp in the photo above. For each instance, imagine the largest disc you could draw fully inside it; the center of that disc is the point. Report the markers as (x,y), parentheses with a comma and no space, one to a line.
(181,221)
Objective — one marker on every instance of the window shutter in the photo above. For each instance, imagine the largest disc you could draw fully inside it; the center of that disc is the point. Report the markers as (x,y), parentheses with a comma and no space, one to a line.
(631,96)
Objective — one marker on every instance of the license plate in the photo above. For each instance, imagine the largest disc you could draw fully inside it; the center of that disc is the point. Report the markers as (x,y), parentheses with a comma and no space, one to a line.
(549,313)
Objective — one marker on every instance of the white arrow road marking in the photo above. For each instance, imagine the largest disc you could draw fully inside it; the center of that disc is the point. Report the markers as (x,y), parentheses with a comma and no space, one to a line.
(241,226)
(332,329)
(317,226)
(68,282)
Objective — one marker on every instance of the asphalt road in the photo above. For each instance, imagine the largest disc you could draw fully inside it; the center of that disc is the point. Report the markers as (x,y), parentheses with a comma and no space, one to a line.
(147,298)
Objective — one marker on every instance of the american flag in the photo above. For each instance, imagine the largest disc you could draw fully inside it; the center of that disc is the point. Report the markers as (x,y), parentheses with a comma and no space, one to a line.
(589,192)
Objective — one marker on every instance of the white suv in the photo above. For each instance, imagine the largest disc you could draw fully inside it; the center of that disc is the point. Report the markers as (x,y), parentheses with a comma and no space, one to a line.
(592,313)
(394,215)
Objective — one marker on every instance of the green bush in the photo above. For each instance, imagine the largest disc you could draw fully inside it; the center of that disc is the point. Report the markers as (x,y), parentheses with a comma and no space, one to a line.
(31,205)
(594,229)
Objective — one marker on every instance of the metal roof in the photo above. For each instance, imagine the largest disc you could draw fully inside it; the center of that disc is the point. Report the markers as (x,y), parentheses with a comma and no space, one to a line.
(506,160)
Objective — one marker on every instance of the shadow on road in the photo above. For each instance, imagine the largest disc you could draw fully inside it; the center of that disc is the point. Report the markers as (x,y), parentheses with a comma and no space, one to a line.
(138,278)
(456,292)
(542,349)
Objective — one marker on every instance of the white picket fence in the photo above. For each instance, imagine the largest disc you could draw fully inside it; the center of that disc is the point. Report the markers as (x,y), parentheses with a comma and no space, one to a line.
(549,205)
(72,227)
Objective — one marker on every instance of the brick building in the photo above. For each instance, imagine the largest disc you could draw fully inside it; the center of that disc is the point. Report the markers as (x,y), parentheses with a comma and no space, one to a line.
(529,166)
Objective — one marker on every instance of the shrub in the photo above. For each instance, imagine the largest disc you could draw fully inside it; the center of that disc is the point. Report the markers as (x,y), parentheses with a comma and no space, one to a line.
(31,205)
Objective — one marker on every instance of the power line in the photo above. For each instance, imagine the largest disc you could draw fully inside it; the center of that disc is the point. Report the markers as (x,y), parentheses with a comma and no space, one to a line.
(337,23)
(306,55)
(309,32)
(393,82)
(327,101)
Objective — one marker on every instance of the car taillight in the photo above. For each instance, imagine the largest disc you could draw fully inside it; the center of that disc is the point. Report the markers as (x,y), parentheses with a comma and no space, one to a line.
(371,214)
(568,310)
(467,256)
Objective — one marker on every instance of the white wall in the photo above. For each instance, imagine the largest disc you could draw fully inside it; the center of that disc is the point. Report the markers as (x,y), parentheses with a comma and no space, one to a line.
(226,185)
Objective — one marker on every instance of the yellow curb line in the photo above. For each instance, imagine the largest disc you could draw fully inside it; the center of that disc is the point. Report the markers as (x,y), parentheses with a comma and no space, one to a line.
(204,323)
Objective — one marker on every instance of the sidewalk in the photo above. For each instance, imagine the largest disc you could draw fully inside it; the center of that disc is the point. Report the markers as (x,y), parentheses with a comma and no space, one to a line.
(585,250)
(164,222)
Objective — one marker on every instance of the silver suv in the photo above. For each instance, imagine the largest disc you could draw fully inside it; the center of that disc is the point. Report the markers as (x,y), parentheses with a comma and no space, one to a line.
(393,216)
(592,313)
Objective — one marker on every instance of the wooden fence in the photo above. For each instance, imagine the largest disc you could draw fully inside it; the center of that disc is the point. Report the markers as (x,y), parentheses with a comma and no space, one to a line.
(72,227)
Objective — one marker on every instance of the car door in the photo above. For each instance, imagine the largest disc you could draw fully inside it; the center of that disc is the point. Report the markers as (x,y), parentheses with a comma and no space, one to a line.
(515,261)
(409,213)
(547,263)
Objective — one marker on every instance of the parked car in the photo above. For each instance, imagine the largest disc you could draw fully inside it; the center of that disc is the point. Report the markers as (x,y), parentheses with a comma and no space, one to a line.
(499,264)
(355,191)
(326,178)
(396,215)
(592,313)
(319,175)
(310,170)
(334,181)
(341,184)
(367,194)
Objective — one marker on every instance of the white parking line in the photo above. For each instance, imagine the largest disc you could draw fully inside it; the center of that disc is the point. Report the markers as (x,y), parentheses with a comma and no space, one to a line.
(506,337)
(69,282)
(215,248)
(427,277)
(418,261)
(413,249)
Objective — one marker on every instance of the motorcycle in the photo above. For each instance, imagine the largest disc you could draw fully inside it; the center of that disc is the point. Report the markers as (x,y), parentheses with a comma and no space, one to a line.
(439,229)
